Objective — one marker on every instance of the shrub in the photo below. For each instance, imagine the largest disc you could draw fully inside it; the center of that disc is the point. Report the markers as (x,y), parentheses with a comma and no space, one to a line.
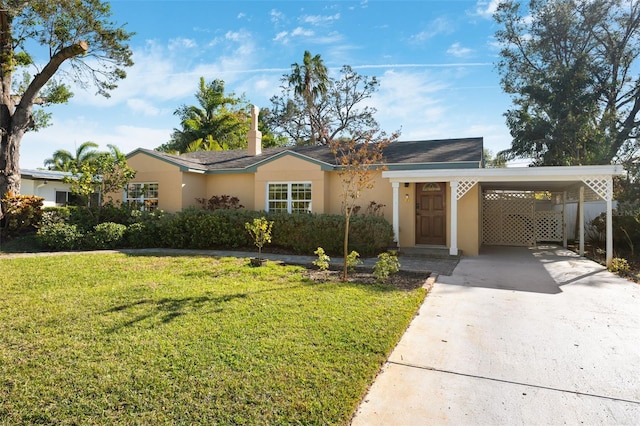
(224,229)
(60,236)
(107,235)
(196,228)
(626,230)
(303,233)
(216,202)
(353,260)
(386,265)
(260,231)
(22,213)
(322,262)
(619,265)
(52,215)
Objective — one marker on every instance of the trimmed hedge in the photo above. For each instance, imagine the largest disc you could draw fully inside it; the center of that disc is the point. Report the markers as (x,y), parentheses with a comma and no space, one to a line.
(224,229)
(107,235)
(61,236)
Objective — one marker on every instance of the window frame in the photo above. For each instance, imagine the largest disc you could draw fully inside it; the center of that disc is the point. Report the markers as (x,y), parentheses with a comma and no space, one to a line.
(67,195)
(146,202)
(289,200)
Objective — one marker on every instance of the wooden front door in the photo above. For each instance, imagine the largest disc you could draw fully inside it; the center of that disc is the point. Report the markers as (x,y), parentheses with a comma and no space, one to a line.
(431,213)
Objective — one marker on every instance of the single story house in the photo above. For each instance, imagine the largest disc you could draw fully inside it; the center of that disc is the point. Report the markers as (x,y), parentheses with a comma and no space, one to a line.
(436,193)
(47,184)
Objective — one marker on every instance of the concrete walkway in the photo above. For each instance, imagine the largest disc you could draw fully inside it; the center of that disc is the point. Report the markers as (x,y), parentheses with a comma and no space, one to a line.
(516,336)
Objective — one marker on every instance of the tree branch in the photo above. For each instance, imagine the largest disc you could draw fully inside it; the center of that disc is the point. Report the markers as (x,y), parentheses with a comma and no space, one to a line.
(77,49)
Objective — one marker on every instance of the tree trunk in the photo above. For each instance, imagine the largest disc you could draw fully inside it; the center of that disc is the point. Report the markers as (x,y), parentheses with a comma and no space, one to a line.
(15,120)
(10,163)
(345,247)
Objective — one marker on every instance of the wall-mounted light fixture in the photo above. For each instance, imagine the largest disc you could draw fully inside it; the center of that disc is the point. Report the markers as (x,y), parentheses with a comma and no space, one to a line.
(406,198)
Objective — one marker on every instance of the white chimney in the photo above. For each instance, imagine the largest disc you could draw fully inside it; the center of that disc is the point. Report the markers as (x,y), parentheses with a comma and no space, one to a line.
(255,135)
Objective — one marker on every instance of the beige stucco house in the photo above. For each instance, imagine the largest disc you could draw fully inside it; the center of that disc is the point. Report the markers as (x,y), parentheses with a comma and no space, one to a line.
(436,193)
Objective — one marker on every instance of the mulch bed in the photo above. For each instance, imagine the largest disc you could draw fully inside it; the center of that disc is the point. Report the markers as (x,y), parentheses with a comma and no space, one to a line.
(402,280)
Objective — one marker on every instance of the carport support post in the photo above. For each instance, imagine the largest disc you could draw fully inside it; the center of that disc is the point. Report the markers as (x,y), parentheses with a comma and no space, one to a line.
(396,213)
(564,219)
(453,249)
(609,231)
(581,219)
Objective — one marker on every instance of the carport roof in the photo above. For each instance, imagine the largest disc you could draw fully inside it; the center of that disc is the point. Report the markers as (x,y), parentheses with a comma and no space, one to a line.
(553,179)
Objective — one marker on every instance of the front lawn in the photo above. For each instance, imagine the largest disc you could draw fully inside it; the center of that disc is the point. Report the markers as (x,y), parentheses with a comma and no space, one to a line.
(111,338)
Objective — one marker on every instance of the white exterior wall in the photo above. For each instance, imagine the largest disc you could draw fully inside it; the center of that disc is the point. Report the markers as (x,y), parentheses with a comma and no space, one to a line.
(44,190)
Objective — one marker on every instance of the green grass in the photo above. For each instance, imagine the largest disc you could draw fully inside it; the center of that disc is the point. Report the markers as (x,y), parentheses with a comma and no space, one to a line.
(116,339)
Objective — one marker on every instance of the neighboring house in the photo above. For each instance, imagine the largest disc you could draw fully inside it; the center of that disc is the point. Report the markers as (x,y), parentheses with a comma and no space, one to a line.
(437,193)
(47,184)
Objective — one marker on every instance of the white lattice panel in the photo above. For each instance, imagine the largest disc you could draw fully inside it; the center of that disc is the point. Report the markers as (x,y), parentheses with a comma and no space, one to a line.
(549,226)
(574,195)
(491,225)
(510,218)
(601,186)
(464,185)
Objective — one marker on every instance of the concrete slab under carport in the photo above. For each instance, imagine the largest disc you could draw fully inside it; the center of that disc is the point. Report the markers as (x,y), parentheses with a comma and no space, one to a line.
(516,336)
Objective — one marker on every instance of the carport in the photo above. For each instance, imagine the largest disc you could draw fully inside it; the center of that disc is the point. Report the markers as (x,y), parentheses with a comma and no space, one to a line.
(511,197)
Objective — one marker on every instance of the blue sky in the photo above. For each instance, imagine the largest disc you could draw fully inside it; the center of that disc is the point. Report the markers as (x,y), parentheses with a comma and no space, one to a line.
(435,61)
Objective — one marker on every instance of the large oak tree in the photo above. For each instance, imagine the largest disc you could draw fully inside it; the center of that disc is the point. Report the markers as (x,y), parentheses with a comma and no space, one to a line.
(39,37)
(571,67)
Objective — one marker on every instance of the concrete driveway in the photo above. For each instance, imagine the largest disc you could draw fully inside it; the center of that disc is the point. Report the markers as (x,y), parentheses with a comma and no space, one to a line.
(516,336)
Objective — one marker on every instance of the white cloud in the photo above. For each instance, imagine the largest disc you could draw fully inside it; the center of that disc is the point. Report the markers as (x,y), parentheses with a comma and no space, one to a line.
(129,138)
(285,37)
(276,16)
(435,27)
(320,19)
(143,107)
(457,50)
(281,36)
(42,144)
(486,9)
(301,32)
(182,43)
(233,36)
(409,100)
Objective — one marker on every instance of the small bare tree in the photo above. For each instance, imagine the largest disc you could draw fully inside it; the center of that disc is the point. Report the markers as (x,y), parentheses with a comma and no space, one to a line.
(359,159)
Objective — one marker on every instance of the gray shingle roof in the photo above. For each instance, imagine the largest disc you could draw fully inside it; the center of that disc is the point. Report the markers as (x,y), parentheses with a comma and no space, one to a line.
(397,154)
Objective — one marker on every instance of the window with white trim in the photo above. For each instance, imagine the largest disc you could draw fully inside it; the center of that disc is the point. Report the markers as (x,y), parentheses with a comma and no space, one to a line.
(62,197)
(145,195)
(289,197)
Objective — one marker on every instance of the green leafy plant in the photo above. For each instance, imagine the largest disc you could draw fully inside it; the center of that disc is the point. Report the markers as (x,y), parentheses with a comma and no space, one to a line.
(260,230)
(60,236)
(22,213)
(108,235)
(352,260)
(322,262)
(108,173)
(386,265)
(618,264)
